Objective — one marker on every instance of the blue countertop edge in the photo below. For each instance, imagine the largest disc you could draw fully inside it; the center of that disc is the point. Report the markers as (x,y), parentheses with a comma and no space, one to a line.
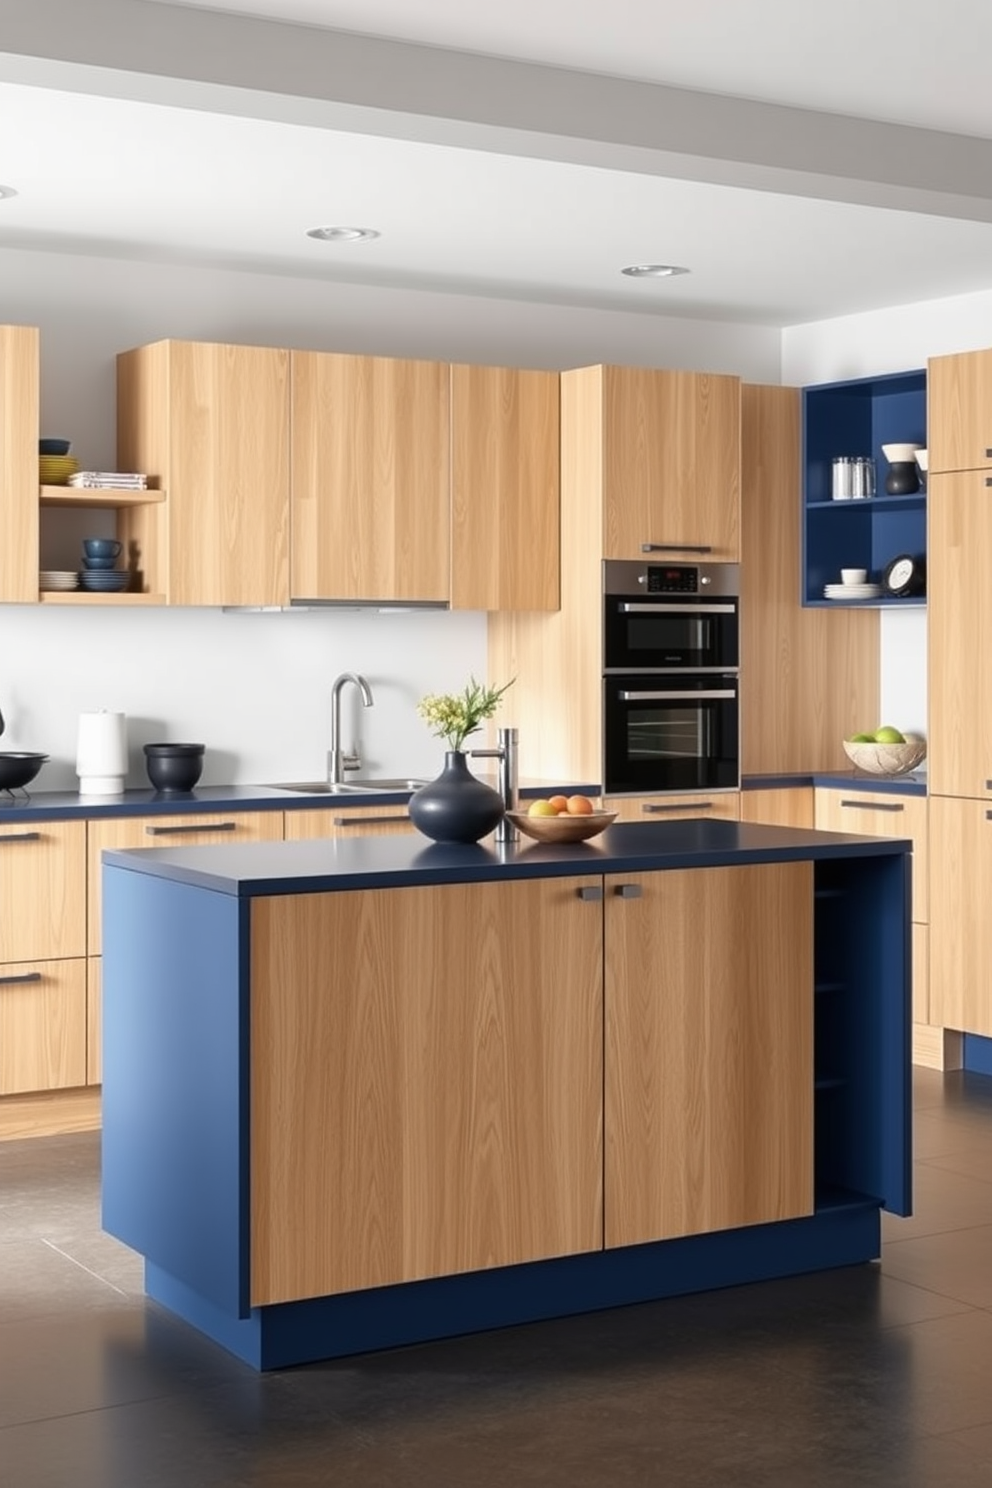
(255,869)
(65,805)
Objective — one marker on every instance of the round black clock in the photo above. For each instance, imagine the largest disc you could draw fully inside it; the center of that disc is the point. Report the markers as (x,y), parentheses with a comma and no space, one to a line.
(904,576)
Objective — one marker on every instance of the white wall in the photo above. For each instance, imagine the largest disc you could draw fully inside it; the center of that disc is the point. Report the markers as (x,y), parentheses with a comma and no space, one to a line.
(894,340)
(255,688)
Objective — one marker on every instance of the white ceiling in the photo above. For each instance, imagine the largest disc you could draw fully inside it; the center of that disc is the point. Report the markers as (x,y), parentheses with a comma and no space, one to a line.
(802,162)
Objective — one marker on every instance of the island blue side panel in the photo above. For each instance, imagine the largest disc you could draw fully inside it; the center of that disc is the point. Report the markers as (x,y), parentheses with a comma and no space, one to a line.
(175,1073)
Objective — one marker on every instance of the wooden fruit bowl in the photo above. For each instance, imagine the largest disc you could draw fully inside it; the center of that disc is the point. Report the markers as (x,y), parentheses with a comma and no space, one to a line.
(564,827)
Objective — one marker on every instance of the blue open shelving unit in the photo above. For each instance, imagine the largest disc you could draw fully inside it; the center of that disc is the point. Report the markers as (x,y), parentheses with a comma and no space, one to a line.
(857,418)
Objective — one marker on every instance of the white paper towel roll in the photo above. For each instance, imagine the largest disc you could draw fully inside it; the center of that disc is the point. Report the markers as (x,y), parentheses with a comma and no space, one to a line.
(101,753)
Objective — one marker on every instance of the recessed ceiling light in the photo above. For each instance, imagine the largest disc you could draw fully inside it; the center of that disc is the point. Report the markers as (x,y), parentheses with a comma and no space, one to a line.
(342,234)
(7,191)
(653,271)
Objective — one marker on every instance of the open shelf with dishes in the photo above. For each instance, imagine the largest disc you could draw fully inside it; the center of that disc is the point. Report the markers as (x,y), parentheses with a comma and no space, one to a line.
(855,419)
(109,499)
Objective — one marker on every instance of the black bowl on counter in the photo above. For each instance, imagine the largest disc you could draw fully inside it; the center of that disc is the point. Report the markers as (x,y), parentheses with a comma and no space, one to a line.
(174,767)
(18,768)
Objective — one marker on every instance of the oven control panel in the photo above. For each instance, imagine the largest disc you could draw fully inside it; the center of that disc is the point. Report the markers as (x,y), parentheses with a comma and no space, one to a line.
(672,579)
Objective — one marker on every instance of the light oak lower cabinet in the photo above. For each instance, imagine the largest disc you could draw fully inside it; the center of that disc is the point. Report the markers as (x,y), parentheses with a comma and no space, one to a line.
(191,830)
(348,821)
(721,805)
(960,936)
(709,1050)
(781,806)
(426,1083)
(42,946)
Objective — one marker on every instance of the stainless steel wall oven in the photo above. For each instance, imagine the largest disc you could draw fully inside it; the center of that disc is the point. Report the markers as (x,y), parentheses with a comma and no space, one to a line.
(671,699)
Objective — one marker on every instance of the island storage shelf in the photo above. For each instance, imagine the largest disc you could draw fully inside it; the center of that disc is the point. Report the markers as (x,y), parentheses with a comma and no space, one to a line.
(326,1002)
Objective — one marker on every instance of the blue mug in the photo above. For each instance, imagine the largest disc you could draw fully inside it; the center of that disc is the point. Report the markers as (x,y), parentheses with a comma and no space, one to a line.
(102,547)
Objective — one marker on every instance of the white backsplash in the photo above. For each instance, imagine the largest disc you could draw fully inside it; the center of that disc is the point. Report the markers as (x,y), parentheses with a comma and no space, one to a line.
(254,688)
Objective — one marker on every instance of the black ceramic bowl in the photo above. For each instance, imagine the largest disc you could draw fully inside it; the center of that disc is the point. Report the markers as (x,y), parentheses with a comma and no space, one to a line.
(53,446)
(18,769)
(174,767)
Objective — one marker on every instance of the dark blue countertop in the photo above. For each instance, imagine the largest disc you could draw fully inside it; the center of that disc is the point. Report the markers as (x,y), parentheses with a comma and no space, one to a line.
(912,784)
(253,869)
(62,805)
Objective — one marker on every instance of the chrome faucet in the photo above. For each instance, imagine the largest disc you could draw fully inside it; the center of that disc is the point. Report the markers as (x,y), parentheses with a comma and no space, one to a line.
(507,781)
(338,759)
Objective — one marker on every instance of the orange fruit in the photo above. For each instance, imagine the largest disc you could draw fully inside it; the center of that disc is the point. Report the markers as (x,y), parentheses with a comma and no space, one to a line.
(579,806)
(560,803)
(541,808)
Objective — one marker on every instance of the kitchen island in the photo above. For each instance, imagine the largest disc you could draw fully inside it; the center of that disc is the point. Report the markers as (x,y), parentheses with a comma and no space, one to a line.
(365,1092)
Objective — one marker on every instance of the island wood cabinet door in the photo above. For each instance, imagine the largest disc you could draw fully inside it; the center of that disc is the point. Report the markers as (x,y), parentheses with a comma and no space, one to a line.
(193,829)
(347,821)
(370,483)
(504,489)
(959,619)
(426,1082)
(671,462)
(960,895)
(211,424)
(709,1050)
(959,411)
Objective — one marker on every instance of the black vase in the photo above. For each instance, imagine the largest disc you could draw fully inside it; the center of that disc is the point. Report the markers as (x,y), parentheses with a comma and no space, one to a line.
(456,807)
(902,479)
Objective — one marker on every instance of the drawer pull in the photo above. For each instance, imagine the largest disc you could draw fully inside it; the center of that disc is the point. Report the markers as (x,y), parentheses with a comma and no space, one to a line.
(20,837)
(227,826)
(988,480)
(654,809)
(988,454)
(875,805)
(591,893)
(27,976)
(368,821)
(674,548)
(628,891)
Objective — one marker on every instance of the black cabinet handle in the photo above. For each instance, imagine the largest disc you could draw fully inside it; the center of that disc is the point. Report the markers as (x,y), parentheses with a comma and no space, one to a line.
(674,548)
(875,805)
(27,976)
(591,893)
(227,826)
(367,821)
(988,454)
(628,891)
(654,809)
(20,837)
(988,479)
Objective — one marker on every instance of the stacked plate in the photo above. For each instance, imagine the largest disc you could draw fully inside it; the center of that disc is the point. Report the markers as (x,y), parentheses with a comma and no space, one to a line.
(104,580)
(57,578)
(851,591)
(55,470)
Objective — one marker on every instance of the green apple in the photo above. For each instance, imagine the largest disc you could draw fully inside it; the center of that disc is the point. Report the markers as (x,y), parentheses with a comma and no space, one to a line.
(861,739)
(888,735)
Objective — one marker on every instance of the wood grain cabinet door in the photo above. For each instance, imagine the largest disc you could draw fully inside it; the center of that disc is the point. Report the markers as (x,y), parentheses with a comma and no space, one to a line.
(959,411)
(960,894)
(959,621)
(504,489)
(370,478)
(211,424)
(426,1082)
(709,1050)
(42,891)
(20,383)
(348,821)
(718,806)
(671,463)
(42,1026)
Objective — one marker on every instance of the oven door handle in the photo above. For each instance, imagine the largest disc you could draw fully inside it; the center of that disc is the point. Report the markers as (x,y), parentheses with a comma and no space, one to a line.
(677,609)
(675,696)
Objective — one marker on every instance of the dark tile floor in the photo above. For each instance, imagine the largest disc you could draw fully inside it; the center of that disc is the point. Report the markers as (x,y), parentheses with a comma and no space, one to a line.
(878,1374)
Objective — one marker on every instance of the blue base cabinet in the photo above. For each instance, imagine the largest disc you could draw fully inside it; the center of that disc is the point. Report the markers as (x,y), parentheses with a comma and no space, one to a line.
(856,419)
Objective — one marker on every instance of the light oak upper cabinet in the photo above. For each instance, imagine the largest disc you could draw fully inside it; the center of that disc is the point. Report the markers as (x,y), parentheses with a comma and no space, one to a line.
(211,423)
(959,602)
(671,461)
(19,422)
(504,489)
(370,485)
(959,411)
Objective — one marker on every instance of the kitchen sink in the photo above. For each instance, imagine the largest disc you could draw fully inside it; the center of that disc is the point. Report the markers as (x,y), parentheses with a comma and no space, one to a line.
(362,785)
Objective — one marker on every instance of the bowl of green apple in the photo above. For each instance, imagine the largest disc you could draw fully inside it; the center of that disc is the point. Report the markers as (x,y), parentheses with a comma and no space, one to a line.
(886,751)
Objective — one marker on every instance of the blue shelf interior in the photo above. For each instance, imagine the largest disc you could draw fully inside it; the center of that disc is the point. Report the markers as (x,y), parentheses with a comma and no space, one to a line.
(857,418)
